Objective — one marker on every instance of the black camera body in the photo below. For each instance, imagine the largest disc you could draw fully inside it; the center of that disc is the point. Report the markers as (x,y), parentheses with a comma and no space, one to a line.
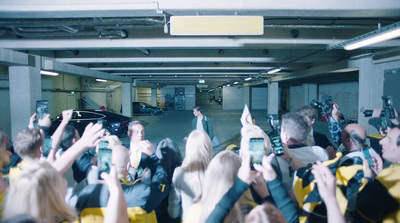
(324,107)
(387,111)
(274,124)
(274,134)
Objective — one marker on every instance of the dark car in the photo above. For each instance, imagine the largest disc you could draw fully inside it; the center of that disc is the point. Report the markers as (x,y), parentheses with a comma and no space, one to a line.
(144,108)
(115,123)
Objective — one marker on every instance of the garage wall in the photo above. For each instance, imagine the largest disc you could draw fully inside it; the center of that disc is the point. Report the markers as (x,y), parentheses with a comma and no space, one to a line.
(232,98)
(143,94)
(296,98)
(5,117)
(345,94)
(190,94)
(60,100)
(259,97)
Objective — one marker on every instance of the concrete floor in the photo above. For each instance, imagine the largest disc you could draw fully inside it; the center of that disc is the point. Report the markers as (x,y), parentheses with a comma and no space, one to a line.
(177,124)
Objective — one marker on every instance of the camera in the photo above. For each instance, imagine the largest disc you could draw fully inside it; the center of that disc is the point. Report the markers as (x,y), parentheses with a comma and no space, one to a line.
(274,135)
(274,124)
(324,107)
(387,111)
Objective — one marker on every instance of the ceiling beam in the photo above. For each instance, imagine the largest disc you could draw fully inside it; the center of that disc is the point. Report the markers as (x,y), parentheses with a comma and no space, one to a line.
(13,58)
(169,60)
(342,65)
(53,65)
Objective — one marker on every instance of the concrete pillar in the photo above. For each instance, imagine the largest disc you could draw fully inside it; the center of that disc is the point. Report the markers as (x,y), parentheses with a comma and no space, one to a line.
(127,109)
(247,96)
(135,94)
(154,96)
(25,90)
(368,95)
(310,92)
(273,98)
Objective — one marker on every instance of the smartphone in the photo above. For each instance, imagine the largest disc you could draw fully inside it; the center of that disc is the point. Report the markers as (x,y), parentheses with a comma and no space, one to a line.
(256,151)
(104,159)
(277,145)
(367,156)
(42,108)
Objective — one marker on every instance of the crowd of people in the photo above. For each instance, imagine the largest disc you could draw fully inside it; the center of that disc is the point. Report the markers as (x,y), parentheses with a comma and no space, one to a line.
(56,178)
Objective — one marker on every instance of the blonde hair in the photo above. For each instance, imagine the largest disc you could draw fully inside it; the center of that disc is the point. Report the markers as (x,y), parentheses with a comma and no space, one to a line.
(197,157)
(265,213)
(220,176)
(253,131)
(28,143)
(39,192)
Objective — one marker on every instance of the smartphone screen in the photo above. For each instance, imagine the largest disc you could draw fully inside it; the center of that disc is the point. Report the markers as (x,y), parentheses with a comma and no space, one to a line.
(367,156)
(277,145)
(256,150)
(42,108)
(104,160)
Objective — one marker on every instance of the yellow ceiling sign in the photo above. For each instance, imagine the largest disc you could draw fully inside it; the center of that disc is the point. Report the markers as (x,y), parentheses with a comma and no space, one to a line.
(216,25)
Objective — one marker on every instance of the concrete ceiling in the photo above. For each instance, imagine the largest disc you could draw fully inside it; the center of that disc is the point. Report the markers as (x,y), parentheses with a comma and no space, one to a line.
(128,38)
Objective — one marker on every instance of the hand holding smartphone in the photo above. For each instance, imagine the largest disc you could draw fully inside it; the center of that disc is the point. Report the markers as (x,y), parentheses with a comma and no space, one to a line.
(104,160)
(256,151)
(277,145)
(42,108)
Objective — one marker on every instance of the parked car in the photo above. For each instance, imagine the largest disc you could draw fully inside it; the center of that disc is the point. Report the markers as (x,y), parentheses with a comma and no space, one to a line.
(115,123)
(144,108)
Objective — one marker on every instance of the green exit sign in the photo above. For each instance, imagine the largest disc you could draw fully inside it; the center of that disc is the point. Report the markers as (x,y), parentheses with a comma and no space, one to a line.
(202,81)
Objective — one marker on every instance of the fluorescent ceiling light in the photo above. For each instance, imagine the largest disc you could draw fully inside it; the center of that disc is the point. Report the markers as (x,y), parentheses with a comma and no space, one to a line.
(49,73)
(216,25)
(236,82)
(101,80)
(247,79)
(379,35)
(274,71)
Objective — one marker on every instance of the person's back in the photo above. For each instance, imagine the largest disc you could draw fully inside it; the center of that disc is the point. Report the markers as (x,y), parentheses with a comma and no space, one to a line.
(307,154)
(187,179)
(294,131)
(170,157)
(27,145)
(141,197)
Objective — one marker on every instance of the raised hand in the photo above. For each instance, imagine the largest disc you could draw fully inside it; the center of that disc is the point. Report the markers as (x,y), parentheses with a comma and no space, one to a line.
(67,115)
(45,121)
(31,120)
(146,147)
(92,135)
(266,169)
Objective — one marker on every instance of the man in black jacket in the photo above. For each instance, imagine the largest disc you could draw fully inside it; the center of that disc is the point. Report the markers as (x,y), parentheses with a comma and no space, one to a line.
(142,196)
(316,138)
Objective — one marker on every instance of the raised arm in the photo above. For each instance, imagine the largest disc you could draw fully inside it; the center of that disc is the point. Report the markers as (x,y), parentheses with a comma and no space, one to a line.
(90,138)
(327,190)
(116,207)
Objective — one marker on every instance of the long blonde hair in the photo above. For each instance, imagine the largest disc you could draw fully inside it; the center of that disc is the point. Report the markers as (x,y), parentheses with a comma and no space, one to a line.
(198,156)
(39,192)
(220,177)
(253,131)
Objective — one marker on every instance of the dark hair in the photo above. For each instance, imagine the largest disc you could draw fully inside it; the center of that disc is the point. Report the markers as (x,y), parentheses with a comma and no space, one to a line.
(170,155)
(68,135)
(357,139)
(198,108)
(398,138)
(307,111)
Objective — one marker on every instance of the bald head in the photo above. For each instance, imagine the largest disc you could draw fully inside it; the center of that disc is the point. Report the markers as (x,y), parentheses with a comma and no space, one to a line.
(353,137)
(120,159)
